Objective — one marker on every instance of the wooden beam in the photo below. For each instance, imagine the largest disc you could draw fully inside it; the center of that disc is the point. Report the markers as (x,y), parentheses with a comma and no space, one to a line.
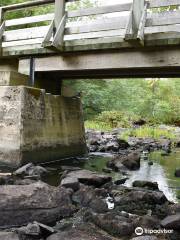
(29,20)
(104,63)
(135,18)
(59,36)
(99,10)
(164,3)
(138,8)
(18,6)
(140,34)
(47,39)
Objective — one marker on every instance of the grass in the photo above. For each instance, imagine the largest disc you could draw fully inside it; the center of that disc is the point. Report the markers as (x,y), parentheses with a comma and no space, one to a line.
(99,126)
(148,132)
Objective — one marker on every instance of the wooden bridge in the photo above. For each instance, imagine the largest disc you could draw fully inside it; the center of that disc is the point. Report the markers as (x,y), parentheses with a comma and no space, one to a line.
(135,38)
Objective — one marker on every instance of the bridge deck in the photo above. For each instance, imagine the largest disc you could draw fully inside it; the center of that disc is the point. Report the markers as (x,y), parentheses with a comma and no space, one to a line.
(135,24)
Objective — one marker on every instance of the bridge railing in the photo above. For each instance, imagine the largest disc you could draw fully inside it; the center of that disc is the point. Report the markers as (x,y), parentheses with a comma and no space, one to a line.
(137,22)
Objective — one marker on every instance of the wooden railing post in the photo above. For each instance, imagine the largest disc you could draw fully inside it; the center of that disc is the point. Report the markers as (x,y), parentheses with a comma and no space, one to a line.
(136,14)
(59,12)
(137,11)
(59,23)
(2,27)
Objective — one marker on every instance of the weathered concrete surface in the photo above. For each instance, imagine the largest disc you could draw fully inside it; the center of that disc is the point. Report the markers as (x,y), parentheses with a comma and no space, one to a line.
(38,127)
(12,78)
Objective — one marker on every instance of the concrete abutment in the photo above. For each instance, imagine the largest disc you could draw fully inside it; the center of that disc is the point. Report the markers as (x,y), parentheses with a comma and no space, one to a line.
(36,126)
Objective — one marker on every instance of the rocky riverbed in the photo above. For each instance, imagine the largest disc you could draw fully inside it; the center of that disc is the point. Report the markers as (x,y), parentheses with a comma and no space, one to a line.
(89,205)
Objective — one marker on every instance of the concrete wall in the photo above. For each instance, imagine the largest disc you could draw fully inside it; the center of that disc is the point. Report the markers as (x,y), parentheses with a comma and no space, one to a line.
(39,127)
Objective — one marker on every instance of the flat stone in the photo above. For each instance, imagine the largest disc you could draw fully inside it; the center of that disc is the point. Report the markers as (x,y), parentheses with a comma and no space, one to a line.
(89,178)
(70,182)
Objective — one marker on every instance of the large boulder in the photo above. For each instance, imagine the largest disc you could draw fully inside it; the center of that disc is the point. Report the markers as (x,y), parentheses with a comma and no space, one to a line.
(86,177)
(21,204)
(129,161)
(30,170)
(171,222)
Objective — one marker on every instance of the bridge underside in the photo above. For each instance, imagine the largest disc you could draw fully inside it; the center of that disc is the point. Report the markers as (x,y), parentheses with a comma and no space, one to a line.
(155,62)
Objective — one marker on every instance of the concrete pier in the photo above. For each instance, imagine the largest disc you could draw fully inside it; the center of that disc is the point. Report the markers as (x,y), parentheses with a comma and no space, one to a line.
(36,126)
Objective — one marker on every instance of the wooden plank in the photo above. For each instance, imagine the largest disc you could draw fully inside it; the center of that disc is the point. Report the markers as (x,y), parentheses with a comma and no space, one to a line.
(91,42)
(164,3)
(162,29)
(140,34)
(163,18)
(111,60)
(29,20)
(59,12)
(137,11)
(98,25)
(90,35)
(2,29)
(58,38)
(48,35)
(99,10)
(22,42)
(26,33)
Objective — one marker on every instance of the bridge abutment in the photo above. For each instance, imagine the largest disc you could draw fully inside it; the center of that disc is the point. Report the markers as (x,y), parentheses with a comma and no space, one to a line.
(36,126)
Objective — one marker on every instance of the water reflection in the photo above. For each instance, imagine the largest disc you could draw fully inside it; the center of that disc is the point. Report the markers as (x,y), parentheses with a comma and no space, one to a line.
(154,173)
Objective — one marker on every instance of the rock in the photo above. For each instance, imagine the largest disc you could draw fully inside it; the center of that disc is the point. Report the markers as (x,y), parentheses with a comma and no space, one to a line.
(112,146)
(107,170)
(86,232)
(24,181)
(130,161)
(30,170)
(171,222)
(121,181)
(70,182)
(123,144)
(146,184)
(149,222)
(89,178)
(69,168)
(9,236)
(150,163)
(145,237)
(177,172)
(114,224)
(87,196)
(32,229)
(34,202)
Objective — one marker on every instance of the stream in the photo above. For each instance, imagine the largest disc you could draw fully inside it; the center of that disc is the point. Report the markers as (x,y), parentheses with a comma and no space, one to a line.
(162,171)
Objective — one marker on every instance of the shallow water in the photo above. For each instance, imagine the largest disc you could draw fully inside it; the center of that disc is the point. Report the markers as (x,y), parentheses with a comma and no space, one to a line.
(162,172)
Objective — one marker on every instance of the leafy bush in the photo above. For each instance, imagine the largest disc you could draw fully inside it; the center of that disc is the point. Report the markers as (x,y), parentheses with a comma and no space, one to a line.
(108,120)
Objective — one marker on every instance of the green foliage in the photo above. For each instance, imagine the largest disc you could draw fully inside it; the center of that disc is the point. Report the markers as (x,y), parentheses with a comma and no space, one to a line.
(155,100)
(108,120)
(147,132)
